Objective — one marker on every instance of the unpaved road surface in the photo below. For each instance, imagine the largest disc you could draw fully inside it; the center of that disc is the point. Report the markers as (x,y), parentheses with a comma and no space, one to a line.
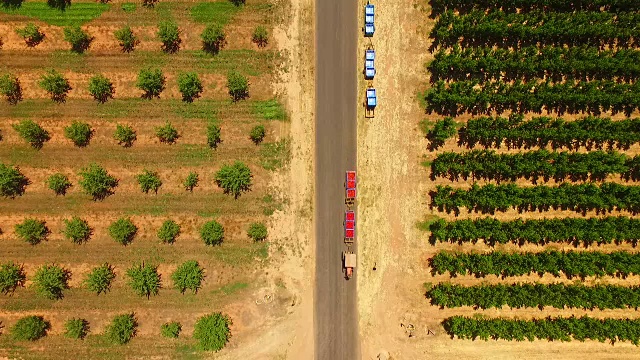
(336,314)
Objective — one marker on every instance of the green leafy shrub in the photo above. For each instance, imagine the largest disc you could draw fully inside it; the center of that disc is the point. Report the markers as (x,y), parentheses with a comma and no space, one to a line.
(169,231)
(171,329)
(190,86)
(212,331)
(31,34)
(257,134)
(78,38)
(59,183)
(167,133)
(152,82)
(33,133)
(257,231)
(123,231)
(238,2)
(100,278)
(97,182)
(56,85)
(30,328)
(122,329)
(188,276)
(77,230)
(32,231)
(213,135)
(12,181)
(125,135)
(11,89)
(441,131)
(191,181)
(169,35)
(126,39)
(149,181)
(212,233)
(79,133)
(260,36)
(61,5)
(11,4)
(238,86)
(101,88)
(12,276)
(76,328)
(234,179)
(144,279)
(51,280)
(213,38)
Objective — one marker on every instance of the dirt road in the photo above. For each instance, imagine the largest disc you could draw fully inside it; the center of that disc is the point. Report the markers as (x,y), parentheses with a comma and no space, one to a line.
(335,318)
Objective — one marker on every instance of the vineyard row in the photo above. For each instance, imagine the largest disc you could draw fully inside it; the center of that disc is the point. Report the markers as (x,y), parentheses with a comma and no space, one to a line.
(466,6)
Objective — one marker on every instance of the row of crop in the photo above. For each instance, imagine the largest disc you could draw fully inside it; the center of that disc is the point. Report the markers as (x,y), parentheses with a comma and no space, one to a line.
(233,179)
(575,231)
(558,296)
(465,6)
(580,198)
(572,96)
(550,62)
(533,165)
(497,28)
(552,329)
(570,263)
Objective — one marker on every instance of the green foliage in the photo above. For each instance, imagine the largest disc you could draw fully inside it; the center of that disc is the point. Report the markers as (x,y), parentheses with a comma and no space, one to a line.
(123,231)
(11,4)
(190,86)
(76,328)
(238,86)
(152,82)
(100,278)
(10,88)
(188,276)
(270,109)
(97,182)
(212,331)
(238,2)
(33,133)
(220,12)
(257,231)
(169,231)
(257,134)
(191,181)
(50,281)
(234,179)
(122,329)
(128,7)
(149,181)
(30,328)
(144,279)
(12,181)
(59,183)
(101,88)
(126,39)
(213,135)
(441,131)
(169,35)
(125,135)
(79,14)
(61,5)
(12,276)
(212,233)
(78,132)
(31,34)
(56,85)
(171,329)
(77,230)
(213,38)
(167,134)
(32,231)
(79,40)
(464,6)
(260,36)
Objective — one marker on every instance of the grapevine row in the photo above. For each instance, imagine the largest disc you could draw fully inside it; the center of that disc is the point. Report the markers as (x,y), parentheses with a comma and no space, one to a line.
(571,263)
(563,329)
(465,6)
(580,198)
(555,63)
(557,296)
(605,230)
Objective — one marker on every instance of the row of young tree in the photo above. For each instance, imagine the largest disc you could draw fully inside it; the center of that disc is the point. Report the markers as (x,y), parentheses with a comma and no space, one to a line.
(63,5)
(211,331)
(151,81)
(234,179)
(593,97)
(514,30)
(552,329)
(504,264)
(528,63)
(558,296)
(576,231)
(581,198)
(525,6)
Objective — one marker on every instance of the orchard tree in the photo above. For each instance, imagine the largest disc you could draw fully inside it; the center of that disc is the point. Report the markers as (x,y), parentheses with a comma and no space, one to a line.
(12,276)
(122,329)
(12,181)
(167,134)
(260,36)
(100,278)
(257,134)
(213,38)
(123,231)
(238,2)
(234,179)
(59,183)
(31,34)
(212,233)
(33,133)
(30,328)
(78,38)
(126,39)
(188,276)
(50,281)
(190,86)
(149,181)
(238,86)
(97,182)
(212,331)
(11,89)
(169,35)
(11,4)
(152,82)
(101,88)
(79,133)
(257,231)
(144,279)
(32,231)
(56,85)
(191,181)
(76,328)
(171,329)
(125,135)
(77,230)
(213,135)
(169,231)
(61,5)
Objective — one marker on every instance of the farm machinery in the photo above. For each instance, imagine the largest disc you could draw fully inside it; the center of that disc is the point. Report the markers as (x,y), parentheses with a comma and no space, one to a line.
(349,223)
(369,15)
(369,63)
(371,102)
